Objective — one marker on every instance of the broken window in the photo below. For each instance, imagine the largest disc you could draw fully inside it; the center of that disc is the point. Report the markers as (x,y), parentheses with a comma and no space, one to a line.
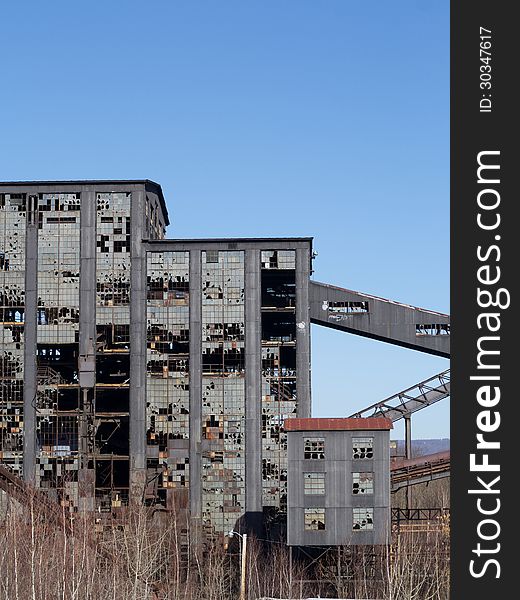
(223,358)
(362,448)
(11,315)
(362,483)
(167,375)
(278,289)
(314,519)
(57,350)
(57,436)
(58,472)
(278,300)
(112,481)
(113,369)
(58,359)
(154,218)
(12,328)
(112,435)
(113,268)
(223,391)
(279,361)
(347,307)
(113,250)
(362,519)
(432,329)
(67,400)
(278,326)
(274,458)
(278,259)
(314,484)
(314,448)
(171,287)
(112,399)
(111,337)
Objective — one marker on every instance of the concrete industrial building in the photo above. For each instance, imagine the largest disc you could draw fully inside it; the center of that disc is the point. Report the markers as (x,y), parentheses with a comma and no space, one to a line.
(164,370)
(339,481)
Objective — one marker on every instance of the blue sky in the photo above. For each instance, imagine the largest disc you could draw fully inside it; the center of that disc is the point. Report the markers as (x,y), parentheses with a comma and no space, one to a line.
(259,118)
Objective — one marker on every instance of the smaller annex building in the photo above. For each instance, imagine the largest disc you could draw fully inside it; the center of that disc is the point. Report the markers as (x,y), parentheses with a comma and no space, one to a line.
(338,481)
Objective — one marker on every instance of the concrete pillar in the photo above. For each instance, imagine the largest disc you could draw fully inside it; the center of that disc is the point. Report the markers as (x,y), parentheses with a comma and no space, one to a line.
(87,282)
(195,384)
(30,343)
(87,344)
(303,333)
(253,408)
(137,348)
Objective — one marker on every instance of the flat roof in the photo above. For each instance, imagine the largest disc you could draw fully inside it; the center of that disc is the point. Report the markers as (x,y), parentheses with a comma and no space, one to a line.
(339,424)
(148,183)
(229,240)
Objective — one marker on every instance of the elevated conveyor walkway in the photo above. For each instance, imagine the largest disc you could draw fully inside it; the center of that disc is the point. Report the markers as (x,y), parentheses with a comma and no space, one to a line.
(406,472)
(380,319)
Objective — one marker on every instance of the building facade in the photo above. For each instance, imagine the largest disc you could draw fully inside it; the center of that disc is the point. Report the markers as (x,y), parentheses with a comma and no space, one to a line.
(135,365)
(70,254)
(339,481)
(227,363)
(165,370)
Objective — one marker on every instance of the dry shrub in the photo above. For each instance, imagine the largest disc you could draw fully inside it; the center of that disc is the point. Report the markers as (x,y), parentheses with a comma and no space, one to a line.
(147,555)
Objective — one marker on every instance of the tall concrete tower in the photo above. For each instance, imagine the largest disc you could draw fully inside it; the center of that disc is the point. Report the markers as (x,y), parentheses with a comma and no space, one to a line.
(138,366)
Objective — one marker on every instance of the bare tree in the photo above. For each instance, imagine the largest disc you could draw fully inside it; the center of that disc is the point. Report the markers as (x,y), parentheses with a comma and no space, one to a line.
(143,554)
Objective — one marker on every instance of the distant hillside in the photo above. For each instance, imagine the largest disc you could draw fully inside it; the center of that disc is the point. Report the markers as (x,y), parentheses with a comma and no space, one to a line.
(422,447)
